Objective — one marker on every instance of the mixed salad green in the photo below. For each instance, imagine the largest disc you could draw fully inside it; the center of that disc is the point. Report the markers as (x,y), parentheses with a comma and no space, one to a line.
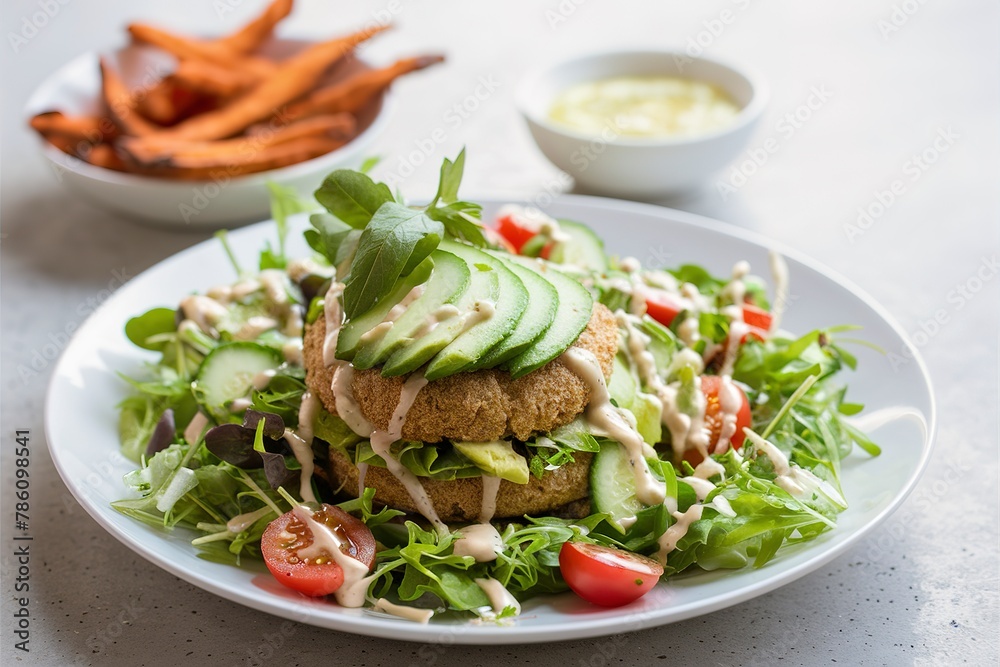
(212,423)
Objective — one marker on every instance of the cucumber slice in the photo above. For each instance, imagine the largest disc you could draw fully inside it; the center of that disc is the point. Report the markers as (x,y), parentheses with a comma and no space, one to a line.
(441,328)
(584,248)
(353,331)
(612,483)
(468,349)
(572,316)
(228,373)
(543,302)
(447,283)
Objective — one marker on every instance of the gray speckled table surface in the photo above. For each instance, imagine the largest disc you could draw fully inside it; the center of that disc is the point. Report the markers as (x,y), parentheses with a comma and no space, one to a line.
(897,72)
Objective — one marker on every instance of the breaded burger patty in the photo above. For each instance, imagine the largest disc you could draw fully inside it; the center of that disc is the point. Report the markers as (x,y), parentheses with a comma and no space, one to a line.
(478,406)
(567,488)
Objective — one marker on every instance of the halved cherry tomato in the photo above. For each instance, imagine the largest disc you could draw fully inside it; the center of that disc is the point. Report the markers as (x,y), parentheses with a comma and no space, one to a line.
(515,233)
(710,387)
(662,307)
(495,238)
(287,534)
(757,317)
(605,576)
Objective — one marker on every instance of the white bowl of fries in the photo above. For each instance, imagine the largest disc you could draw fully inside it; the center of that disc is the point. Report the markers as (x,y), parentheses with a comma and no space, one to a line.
(187,132)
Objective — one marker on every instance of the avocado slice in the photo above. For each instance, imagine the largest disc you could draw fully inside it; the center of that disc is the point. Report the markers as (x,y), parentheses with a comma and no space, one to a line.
(497,459)
(353,331)
(441,326)
(468,349)
(572,316)
(543,302)
(447,283)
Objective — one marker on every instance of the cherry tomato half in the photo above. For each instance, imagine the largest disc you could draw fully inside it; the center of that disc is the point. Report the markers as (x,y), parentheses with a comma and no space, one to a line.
(605,576)
(757,317)
(287,534)
(662,307)
(714,417)
(516,234)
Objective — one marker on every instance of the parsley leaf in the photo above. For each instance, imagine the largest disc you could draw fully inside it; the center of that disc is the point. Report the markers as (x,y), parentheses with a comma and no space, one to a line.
(392,244)
(352,196)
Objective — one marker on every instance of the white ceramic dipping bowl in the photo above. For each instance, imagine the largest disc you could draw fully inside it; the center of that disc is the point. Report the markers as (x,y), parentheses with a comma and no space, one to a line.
(639,167)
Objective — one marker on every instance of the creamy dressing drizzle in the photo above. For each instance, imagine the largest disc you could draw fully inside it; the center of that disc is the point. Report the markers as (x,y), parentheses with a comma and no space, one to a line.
(676,532)
(481,311)
(382,443)
(779,273)
(292,351)
(300,440)
(262,379)
(602,415)
(687,431)
(500,597)
(879,418)
(275,284)
(480,540)
(491,487)
(194,429)
(240,405)
(403,611)
(353,591)
(241,522)
(688,330)
(382,328)
(721,504)
(737,330)
(431,322)
(204,311)
(362,473)
(730,402)
(702,487)
(255,326)
(343,373)
(798,482)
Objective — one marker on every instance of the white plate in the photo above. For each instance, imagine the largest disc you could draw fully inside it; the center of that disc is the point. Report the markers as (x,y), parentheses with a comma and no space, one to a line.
(81,423)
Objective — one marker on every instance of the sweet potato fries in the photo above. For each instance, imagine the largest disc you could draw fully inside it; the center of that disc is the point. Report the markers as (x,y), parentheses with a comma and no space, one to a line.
(227,105)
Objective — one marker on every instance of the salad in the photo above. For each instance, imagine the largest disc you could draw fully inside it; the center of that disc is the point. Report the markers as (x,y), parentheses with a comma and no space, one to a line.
(431,413)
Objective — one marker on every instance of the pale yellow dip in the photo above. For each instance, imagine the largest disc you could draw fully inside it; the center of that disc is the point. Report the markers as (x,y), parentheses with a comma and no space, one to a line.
(644,106)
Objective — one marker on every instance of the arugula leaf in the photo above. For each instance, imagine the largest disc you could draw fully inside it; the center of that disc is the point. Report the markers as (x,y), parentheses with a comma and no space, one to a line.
(395,241)
(352,196)
(142,328)
(450,179)
(333,239)
(461,220)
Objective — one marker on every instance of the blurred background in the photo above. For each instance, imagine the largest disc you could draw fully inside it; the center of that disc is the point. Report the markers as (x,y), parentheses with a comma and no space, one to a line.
(893,90)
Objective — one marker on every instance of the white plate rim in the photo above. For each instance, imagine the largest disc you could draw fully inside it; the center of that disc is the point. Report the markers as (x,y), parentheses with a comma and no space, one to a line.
(631,618)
